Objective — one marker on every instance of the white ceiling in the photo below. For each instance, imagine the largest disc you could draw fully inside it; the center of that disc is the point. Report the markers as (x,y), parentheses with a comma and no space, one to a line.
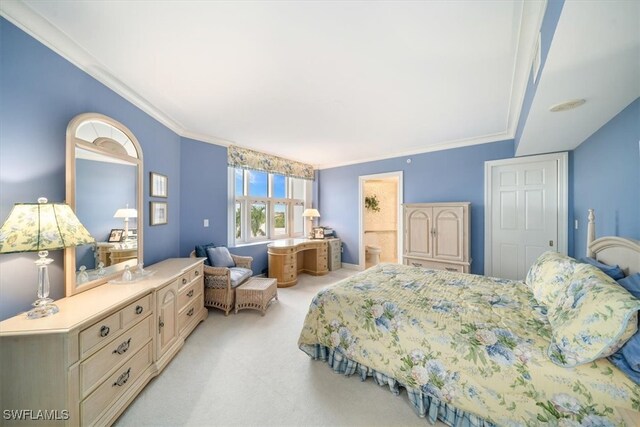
(333,83)
(594,55)
(325,83)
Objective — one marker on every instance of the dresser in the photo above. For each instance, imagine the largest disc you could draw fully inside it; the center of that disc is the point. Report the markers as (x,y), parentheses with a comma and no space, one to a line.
(288,257)
(436,235)
(90,360)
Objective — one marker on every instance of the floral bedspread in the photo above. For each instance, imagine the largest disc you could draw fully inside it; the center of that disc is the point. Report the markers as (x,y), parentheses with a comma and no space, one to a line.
(476,343)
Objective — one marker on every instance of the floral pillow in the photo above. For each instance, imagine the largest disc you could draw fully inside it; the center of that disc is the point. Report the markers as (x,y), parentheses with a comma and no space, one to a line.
(549,276)
(592,318)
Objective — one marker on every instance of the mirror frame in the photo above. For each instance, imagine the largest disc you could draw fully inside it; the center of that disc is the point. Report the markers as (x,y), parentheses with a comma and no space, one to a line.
(71,288)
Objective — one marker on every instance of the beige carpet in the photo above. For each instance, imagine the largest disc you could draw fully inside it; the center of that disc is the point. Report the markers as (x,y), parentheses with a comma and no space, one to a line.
(246,370)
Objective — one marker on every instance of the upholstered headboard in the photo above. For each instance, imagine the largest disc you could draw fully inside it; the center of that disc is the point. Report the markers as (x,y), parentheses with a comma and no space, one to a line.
(613,250)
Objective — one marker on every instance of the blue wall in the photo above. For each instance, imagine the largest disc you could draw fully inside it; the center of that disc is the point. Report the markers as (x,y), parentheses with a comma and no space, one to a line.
(40,93)
(455,175)
(607,178)
(204,196)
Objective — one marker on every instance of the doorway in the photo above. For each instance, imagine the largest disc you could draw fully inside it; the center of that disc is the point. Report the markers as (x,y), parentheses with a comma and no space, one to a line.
(380,213)
(526,212)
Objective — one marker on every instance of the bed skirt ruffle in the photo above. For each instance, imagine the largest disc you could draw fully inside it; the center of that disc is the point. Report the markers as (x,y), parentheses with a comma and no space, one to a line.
(425,405)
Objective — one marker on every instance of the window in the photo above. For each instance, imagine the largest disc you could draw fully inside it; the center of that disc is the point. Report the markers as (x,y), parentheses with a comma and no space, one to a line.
(267,206)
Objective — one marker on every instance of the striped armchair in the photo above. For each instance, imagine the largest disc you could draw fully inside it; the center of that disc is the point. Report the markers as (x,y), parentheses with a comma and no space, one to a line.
(220,282)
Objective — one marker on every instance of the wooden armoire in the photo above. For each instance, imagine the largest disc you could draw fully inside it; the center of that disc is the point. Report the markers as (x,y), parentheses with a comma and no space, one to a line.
(436,235)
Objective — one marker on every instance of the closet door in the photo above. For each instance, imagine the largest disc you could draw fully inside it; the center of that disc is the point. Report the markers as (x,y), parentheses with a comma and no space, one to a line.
(418,225)
(448,239)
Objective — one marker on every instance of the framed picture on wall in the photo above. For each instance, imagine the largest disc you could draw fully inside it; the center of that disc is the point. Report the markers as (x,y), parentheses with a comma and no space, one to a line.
(158,185)
(116,235)
(158,213)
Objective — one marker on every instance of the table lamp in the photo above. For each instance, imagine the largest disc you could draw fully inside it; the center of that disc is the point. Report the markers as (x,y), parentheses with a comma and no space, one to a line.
(310,214)
(40,227)
(126,213)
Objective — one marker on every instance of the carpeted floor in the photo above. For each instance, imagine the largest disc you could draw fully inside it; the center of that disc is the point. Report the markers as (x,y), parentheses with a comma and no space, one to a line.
(246,370)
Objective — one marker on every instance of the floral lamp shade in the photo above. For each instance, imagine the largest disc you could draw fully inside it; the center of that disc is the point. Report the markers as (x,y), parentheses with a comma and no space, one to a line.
(41,227)
(34,227)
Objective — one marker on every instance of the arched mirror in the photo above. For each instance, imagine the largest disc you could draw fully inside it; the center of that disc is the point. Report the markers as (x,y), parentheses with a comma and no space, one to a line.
(104,187)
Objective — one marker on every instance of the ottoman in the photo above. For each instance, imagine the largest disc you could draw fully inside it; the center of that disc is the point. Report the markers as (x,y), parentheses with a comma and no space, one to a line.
(256,294)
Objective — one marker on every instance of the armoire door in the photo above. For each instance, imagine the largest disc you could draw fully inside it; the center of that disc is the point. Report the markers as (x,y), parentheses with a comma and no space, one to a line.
(448,236)
(418,232)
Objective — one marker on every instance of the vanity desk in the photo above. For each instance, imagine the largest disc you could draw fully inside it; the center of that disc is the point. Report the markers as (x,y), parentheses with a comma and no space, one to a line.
(114,253)
(93,357)
(288,257)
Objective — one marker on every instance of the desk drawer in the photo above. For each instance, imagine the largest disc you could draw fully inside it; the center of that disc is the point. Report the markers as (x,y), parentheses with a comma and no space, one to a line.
(94,368)
(115,385)
(188,293)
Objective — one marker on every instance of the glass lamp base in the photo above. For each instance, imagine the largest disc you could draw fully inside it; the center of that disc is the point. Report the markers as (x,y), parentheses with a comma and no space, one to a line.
(42,308)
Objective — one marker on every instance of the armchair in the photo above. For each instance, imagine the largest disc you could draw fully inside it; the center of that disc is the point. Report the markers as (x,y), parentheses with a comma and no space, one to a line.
(220,282)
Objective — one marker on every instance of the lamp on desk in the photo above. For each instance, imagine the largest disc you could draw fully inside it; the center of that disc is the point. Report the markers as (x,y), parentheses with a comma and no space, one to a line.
(310,214)
(126,213)
(41,227)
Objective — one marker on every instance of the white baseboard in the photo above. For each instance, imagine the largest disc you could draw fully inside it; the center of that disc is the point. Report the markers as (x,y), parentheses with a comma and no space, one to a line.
(352,266)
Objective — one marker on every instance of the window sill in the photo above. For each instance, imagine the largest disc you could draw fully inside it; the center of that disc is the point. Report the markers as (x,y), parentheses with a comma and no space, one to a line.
(264,242)
(261,242)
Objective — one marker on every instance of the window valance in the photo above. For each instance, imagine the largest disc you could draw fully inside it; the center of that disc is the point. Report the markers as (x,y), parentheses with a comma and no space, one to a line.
(248,159)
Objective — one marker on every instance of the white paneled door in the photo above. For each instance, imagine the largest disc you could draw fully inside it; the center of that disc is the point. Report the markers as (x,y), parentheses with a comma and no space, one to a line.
(525,209)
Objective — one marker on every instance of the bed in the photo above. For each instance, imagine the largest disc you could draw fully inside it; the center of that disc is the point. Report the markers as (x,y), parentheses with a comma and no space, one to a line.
(479,351)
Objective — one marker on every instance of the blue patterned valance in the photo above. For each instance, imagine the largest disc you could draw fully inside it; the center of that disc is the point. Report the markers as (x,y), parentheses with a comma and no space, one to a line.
(239,157)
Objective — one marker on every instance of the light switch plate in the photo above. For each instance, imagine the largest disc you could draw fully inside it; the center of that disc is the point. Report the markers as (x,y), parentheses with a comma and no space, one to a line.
(206,222)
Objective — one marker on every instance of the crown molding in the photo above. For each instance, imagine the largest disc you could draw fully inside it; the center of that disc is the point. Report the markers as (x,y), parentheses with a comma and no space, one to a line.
(459,143)
(524,60)
(45,32)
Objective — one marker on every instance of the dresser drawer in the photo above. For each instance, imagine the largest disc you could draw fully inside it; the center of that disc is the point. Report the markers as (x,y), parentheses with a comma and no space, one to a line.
(188,293)
(187,315)
(115,385)
(136,311)
(95,367)
(196,272)
(434,265)
(99,333)
(288,268)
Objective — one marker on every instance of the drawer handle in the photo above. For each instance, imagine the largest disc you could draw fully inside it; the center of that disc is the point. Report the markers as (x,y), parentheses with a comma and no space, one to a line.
(184,280)
(450,269)
(416,264)
(104,331)
(190,293)
(122,348)
(197,273)
(122,379)
(190,312)
(139,309)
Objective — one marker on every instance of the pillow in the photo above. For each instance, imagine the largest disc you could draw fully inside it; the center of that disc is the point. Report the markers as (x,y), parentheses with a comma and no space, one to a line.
(622,364)
(201,250)
(592,318)
(220,257)
(612,271)
(549,276)
(631,284)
